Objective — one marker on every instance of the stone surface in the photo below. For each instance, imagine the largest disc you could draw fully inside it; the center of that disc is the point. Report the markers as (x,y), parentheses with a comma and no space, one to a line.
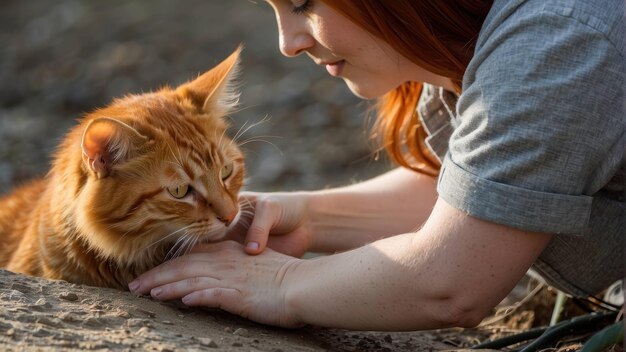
(75,325)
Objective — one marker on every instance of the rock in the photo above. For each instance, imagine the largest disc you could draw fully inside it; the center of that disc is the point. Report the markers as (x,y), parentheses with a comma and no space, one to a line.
(135,322)
(241,332)
(69,296)
(146,312)
(205,341)
(143,331)
(20,287)
(49,321)
(122,314)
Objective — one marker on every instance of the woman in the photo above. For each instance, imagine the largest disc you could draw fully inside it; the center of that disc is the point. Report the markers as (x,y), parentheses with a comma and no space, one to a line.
(521,118)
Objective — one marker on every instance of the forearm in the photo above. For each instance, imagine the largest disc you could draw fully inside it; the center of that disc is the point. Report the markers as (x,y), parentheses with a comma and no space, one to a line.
(451,273)
(369,288)
(345,218)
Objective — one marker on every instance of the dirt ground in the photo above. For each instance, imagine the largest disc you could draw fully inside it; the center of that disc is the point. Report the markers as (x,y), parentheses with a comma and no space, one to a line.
(38,314)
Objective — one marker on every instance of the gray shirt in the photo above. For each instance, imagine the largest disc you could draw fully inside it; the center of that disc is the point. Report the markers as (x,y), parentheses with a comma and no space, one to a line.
(537,139)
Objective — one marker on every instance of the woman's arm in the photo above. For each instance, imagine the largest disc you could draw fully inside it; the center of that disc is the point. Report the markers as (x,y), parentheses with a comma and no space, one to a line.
(343,218)
(397,202)
(450,273)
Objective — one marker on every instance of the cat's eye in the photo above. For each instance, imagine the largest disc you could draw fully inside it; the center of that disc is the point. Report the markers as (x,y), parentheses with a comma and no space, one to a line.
(226,171)
(179,191)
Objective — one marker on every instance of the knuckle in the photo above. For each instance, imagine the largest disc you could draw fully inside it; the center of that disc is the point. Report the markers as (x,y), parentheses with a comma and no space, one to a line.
(181,270)
(268,204)
(194,282)
(257,231)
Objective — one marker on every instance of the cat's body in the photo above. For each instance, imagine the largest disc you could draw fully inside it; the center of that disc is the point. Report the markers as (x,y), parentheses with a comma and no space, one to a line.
(133,180)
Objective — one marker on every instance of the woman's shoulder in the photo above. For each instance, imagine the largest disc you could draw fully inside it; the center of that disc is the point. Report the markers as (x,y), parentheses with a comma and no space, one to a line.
(536,42)
(604,16)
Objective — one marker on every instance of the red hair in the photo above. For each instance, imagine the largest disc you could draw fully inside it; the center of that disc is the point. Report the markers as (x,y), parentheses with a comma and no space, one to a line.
(438,36)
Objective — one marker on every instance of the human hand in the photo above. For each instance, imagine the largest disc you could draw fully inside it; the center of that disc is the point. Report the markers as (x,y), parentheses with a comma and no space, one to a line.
(282,215)
(221,275)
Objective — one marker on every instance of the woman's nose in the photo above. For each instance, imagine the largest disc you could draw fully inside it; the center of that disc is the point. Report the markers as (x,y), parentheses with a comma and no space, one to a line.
(294,38)
(294,45)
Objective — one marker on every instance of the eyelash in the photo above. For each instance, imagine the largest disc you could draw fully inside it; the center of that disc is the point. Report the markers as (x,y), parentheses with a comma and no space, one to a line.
(302,9)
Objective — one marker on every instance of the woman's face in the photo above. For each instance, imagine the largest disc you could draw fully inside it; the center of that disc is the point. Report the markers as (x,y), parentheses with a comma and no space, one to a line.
(368,65)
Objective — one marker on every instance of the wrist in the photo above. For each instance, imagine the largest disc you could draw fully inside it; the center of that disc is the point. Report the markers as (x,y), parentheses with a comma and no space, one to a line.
(322,223)
(291,286)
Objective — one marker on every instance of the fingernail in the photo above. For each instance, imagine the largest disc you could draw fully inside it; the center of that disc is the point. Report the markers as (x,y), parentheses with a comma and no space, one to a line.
(252,245)
(133,285)
(186,299)
(156,292)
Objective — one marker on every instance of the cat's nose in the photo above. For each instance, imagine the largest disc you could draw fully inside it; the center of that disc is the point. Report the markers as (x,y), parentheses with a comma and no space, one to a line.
(228,218)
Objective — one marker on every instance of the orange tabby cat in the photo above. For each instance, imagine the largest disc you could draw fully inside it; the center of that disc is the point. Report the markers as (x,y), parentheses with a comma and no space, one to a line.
(147,175)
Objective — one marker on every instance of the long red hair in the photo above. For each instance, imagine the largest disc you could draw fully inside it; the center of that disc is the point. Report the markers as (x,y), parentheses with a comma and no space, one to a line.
(438,36)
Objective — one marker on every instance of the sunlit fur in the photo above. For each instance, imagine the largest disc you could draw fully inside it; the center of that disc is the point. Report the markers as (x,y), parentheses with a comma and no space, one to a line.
(103,228)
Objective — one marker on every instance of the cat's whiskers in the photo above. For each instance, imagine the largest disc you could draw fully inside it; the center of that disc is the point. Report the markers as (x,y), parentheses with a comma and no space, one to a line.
(185,244)
(246,219)
(176,247)
(258,139)
(221,139)
(246,214)
(242,108)
(185,159)
(166,237)
(245,204)
(240,133)
(179,162)
(191,243)
(236,136)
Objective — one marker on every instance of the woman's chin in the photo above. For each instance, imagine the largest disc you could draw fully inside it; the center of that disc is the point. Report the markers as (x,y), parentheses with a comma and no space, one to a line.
(364,91)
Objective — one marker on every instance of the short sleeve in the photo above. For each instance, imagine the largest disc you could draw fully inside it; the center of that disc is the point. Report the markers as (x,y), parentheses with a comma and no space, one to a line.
(541,122)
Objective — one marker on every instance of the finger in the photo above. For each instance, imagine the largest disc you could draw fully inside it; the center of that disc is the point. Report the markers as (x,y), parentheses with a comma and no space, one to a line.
(258,233)
(238,229)
(172,271)
(182,288)
(252,196)
(223,298)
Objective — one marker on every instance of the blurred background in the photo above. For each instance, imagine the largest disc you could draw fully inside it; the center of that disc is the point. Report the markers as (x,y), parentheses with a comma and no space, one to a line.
(62,58)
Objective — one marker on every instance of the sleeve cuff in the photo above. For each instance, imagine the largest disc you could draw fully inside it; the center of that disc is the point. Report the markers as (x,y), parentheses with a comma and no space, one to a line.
(513,206)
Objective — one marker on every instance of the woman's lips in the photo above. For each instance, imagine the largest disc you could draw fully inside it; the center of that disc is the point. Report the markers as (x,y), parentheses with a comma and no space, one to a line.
(335,68)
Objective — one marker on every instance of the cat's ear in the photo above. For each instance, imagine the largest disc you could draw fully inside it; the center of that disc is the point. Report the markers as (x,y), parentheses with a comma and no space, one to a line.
(215,90)
(107,141)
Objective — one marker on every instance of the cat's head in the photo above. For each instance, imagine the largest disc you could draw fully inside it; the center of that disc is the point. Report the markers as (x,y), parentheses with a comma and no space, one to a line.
(157,170)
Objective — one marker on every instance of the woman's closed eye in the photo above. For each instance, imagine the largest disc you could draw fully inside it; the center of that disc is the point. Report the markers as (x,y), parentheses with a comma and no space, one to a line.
(301,6)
